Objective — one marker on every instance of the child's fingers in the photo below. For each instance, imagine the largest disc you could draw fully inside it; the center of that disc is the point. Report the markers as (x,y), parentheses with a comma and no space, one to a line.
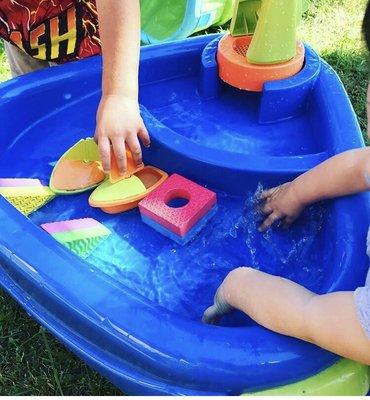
(269,221)
(134,145)
(266,194)
(104,150)
(144,136)
(211,316)
(120,154)
(266,208)
(288,221)
(96,137)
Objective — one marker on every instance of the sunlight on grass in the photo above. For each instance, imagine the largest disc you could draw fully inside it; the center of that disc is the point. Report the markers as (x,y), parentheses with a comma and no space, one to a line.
(334,24)
(4,68)
(333,28)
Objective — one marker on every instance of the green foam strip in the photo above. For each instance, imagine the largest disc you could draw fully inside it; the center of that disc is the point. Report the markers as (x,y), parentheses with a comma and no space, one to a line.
(81,234)
(84,247)
(83,242)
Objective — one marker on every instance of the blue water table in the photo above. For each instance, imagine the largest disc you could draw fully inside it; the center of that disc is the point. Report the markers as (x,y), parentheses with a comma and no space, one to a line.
(232,113)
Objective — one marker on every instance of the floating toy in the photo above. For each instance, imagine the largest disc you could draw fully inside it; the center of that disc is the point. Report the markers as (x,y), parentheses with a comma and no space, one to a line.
(132,167)
(27,195)
(126,194)
(164,20)
(179,208)
(134,314)
(81,236)
(262,44)
(78,170)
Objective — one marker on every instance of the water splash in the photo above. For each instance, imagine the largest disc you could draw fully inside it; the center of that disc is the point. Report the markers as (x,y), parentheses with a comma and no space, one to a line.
(184,279)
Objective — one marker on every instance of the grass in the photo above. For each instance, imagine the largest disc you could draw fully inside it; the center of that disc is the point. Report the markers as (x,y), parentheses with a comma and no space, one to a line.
(333,28)
(4,69)
(32,362)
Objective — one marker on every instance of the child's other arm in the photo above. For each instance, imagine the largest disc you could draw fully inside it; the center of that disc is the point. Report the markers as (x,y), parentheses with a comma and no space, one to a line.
(329,321)
(344,174)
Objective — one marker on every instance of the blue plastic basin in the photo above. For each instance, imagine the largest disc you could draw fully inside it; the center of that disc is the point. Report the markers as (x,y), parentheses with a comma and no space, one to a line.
(132,310)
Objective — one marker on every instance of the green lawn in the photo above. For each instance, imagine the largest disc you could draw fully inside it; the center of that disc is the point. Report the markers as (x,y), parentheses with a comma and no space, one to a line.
(31,361)
(4,69)
(333,28)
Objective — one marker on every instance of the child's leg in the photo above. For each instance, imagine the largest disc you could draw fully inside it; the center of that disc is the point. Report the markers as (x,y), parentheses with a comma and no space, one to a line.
(20,62)
(329,321)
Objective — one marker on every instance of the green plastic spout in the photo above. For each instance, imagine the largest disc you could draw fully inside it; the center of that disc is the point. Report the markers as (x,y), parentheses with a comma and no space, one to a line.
(274,25)
(275,36)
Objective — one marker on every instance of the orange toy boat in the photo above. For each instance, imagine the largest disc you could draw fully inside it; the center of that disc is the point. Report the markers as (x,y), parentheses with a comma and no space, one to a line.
(78,170)
(114,198)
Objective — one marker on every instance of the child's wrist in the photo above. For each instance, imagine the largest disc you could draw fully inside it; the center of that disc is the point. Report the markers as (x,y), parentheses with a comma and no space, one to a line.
(119,96)
(300,189)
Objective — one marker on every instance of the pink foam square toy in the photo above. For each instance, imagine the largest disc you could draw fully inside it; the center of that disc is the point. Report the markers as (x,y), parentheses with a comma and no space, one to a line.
(177,207)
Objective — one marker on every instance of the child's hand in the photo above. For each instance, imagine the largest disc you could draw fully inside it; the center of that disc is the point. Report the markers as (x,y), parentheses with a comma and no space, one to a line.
(227,297)
(219,308)
(119,121)
(280,203)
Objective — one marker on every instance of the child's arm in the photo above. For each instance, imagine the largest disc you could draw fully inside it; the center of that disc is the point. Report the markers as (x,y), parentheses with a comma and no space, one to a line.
(118,117)
(329,321)
(344,174)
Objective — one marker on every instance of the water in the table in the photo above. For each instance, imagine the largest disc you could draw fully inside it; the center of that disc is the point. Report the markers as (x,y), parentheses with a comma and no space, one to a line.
(184,278)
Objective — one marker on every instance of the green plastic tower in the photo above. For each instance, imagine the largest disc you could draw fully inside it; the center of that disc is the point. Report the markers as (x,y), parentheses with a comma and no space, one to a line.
(274,26)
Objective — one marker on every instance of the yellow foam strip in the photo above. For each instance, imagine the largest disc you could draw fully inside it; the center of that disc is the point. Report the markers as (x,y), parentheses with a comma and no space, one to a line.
(27,199)
(25,191)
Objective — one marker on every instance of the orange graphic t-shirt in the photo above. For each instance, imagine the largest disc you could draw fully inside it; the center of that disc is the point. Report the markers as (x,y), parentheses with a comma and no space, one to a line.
(51,30)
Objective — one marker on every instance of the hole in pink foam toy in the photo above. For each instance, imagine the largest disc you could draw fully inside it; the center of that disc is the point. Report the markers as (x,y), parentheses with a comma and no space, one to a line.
(178,202)
(177,198)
